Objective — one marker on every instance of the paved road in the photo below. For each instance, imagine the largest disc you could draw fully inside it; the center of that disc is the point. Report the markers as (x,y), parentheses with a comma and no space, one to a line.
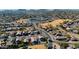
(43,31)
(51,37)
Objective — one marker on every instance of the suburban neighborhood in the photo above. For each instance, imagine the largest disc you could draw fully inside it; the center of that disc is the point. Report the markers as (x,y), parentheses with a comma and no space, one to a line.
(39,29)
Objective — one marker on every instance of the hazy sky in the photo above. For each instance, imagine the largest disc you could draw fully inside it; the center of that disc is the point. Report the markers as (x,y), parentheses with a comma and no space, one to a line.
(39,4)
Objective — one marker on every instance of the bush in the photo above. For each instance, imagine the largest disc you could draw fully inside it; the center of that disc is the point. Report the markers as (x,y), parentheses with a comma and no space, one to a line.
(76,45)
(63,45)
(13,46)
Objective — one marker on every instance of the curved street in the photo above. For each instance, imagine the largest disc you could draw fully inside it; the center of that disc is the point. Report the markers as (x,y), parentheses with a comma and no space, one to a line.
(51,37)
